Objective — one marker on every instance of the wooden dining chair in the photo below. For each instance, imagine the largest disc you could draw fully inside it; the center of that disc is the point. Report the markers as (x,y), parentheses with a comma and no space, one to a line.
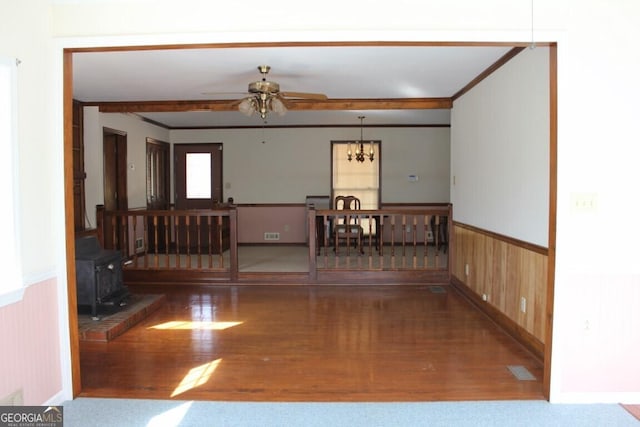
(347,226)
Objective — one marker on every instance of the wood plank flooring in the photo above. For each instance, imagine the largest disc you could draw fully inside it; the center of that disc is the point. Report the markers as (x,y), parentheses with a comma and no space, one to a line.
(310,343)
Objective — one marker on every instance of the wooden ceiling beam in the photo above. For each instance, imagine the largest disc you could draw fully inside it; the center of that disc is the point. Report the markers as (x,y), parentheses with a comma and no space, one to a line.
(292,104)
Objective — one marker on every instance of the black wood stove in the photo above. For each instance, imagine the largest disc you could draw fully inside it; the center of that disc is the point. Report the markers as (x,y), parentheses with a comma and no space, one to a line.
(98,276)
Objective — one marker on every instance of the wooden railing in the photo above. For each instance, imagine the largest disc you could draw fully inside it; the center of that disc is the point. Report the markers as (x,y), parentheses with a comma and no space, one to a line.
(200,246)
(383,240)
(203,240)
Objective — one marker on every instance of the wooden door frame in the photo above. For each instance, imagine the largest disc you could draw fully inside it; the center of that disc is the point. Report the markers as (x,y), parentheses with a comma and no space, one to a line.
(114,173)
(188,237)
(158,192)
(166,176)
(122,198)
(69,214)
(216,181)
(74,339)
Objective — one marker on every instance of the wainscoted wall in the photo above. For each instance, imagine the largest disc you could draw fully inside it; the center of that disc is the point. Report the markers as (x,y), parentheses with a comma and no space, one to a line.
(505,271)
(30,338)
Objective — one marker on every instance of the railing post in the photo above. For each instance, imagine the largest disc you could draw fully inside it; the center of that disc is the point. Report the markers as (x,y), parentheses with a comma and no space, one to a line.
(451,247)
(233,244)
(312,228)
(100,224)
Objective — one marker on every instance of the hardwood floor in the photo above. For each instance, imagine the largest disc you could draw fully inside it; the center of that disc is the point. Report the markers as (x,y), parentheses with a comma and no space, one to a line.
(310,343)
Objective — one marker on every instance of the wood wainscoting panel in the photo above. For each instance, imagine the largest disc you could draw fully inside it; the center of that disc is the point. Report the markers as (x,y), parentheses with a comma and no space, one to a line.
(502,271)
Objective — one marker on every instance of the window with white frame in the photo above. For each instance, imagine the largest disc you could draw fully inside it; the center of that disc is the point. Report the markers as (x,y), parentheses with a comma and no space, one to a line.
(353,178)
(11,284)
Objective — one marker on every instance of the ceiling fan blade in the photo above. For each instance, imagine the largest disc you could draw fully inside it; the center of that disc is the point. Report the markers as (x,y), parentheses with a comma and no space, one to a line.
(305,95)
(284,100)
(223,93)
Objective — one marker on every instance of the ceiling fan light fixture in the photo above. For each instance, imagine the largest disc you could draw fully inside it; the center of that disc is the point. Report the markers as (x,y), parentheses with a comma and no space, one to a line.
(247,106)
(265,96)
(277,106)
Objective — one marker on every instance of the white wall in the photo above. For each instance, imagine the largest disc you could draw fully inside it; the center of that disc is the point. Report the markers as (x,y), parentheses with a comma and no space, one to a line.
(500,150)
(596,339)
(293,163)
(33,332)
(39,154)
(137,133)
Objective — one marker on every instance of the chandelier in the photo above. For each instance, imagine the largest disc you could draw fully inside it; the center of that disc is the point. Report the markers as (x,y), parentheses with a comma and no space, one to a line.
(359,154)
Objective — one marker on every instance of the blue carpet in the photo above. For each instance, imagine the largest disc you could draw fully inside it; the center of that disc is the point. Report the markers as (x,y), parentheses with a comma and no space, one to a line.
(165,413)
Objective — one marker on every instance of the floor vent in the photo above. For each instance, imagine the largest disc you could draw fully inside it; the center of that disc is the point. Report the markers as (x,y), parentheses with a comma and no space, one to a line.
(521,373)
(271,236)
(437,290)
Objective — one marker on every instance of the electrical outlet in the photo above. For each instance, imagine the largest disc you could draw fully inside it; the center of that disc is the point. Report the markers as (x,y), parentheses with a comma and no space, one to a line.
(466,269)
(584,202)
(485,297)
(523,304)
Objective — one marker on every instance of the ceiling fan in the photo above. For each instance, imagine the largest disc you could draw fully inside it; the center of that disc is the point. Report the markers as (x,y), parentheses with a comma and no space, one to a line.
(265,96)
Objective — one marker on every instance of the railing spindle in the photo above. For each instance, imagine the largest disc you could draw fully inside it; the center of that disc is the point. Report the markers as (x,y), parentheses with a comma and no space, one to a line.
(199,248)
(188,238)
(167,232)
(426,242)
(220,239)
(176,226)
(209,244)
(393,239)
(380,239)
(404,240)
(124,232)
(415,242)
(436,240)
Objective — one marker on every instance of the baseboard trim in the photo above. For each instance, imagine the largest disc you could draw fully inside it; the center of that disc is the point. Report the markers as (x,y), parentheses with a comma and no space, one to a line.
(603,397)
(517,332)
(57,399)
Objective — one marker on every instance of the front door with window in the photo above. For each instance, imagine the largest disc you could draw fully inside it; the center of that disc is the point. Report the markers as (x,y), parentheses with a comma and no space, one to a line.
(198,185)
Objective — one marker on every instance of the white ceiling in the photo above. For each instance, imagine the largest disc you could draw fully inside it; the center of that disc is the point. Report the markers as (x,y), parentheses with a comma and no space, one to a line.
(348,72)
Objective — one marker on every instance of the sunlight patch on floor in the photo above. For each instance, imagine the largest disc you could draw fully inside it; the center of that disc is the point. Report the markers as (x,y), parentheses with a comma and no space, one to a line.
(172,417)
(196,377)
(190,325)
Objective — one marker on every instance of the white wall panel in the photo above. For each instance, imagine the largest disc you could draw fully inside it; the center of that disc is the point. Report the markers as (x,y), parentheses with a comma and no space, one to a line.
(500,150)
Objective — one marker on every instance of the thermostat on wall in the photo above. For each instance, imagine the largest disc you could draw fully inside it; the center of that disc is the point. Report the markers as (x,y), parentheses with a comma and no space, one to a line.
(413,178)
